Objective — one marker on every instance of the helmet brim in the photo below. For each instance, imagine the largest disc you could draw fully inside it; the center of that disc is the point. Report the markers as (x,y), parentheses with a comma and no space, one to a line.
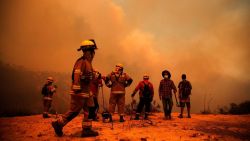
(84,49)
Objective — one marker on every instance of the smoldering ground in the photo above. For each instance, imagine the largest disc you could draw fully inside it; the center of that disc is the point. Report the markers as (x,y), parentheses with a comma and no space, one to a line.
(207,40)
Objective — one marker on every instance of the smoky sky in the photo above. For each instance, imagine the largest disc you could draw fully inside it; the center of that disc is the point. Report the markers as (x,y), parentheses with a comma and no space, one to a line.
(207,40)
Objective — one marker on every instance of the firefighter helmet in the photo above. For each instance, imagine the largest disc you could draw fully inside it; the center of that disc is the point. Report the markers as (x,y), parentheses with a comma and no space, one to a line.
(145,76)
(119,65)
(50,79)
(87,45)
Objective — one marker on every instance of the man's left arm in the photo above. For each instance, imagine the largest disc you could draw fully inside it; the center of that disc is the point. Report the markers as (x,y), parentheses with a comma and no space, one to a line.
(128,81)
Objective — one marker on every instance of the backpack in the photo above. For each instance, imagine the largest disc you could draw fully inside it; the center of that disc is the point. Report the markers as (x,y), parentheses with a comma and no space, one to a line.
(146,92)
(44,90)
(186,90)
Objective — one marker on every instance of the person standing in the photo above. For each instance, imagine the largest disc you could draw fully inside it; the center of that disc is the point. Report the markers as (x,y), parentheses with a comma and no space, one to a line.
(48,91)
(81,96)
(165,93)
(146,96)
(185,88)
(118,81)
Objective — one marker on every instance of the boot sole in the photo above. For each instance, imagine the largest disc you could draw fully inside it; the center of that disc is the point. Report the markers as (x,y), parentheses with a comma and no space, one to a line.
(55,126)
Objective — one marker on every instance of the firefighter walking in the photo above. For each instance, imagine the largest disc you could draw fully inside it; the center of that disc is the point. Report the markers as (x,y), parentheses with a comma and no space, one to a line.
(146,96)
(118,81)
(80,92)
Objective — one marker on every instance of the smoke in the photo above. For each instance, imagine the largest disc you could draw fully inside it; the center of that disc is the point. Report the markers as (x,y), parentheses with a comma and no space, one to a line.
(207,40)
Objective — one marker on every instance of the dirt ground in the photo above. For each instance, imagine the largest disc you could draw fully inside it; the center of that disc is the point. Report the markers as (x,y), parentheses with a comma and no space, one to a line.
(199,127)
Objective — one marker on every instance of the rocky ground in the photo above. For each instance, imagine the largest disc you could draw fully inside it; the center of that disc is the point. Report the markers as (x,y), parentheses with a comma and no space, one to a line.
(199,127)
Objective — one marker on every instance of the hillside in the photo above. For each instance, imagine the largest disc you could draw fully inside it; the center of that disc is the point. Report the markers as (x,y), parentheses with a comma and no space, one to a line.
(21,90)
(199,127)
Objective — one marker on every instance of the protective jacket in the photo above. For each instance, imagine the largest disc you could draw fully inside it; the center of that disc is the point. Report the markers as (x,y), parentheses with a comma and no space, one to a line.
(141,87)
(118,82)
(82,76)
(47,91)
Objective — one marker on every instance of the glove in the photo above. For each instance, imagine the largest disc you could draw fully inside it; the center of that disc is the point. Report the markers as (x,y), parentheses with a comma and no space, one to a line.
(133,94)
(99,76)
(128,82)
(109,84)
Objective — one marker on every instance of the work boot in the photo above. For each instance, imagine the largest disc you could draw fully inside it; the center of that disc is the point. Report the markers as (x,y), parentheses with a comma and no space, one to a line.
(137,117)
(110,118)
(165,116)
(58,128)
(88,132)
(95,119)
(170,117)
(180,116)
(45,115)
(121,119)
(146,117)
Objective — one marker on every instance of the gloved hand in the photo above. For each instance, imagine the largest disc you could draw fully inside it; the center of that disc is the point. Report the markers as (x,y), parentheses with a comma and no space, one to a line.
(128,82)
(109,84)
(133,94)
(99,76)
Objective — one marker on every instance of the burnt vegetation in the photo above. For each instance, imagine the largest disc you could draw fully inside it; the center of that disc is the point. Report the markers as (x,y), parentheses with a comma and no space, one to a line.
(236,109)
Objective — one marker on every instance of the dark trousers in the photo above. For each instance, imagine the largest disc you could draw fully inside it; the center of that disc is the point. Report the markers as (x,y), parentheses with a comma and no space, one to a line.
(46,106)
(182,104)
(167,106)
(93,110)
(144,101)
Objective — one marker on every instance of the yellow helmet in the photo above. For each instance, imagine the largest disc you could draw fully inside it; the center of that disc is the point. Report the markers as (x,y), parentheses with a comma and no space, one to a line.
(145,76)
(50,79)
(87,45)
(119,65)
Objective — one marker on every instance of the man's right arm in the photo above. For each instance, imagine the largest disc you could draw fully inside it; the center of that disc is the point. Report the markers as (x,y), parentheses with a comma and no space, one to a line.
(76,76)
(136,89)
(159,90)
(107,81)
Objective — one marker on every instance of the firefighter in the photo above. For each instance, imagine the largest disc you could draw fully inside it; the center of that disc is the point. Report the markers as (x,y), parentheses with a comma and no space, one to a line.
(165,93)
(48,91)
(185,88)
(81,98)
(117,81)
(96,83)
(146,96)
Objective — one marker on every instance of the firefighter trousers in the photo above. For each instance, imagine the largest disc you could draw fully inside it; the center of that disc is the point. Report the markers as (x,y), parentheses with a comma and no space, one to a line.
(76,104)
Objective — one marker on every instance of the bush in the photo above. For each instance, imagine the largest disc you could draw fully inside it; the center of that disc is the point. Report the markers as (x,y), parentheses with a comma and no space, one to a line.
(242,108)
